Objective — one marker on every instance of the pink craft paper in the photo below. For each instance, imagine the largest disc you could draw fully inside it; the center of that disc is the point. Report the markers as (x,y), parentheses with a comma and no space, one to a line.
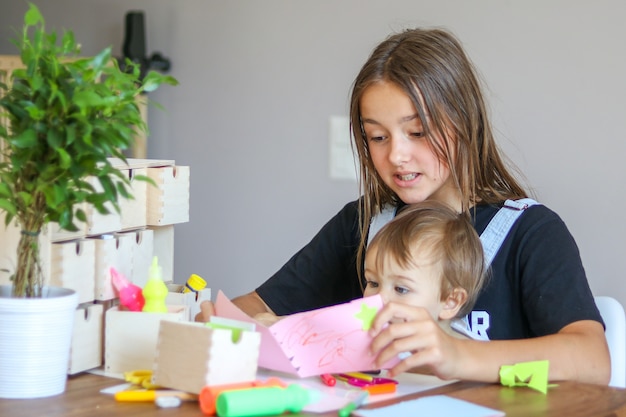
(326,340)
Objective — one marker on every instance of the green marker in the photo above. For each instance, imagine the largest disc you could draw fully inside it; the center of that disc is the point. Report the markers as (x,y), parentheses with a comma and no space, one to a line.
(263,401)
(354,404)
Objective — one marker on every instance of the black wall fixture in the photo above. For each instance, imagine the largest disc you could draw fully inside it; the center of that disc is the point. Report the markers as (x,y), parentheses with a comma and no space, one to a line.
(134,47)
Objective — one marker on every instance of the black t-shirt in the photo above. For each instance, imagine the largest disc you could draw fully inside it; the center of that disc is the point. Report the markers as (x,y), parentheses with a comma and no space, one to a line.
(537,284)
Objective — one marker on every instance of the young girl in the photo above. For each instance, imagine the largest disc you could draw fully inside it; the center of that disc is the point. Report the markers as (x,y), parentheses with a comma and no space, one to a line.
(428,256)
(421,131)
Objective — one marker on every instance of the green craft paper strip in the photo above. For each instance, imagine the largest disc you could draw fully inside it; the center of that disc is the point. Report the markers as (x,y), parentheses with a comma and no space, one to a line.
(366,315)
(526,374)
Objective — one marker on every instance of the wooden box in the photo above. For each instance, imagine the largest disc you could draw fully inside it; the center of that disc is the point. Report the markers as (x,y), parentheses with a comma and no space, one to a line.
(133,211)
(142,247)
(98,223)
(131,337)
(163,241)
(112,250)
(190,299)
(9,238)
(86,348)
(57,235)
(191,355)
(168,202)
(72,265)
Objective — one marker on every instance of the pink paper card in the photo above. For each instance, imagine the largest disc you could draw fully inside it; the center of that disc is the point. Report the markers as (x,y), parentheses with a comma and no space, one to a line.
(327,340)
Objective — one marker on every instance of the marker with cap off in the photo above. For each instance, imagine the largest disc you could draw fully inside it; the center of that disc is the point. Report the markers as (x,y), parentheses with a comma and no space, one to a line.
(328,380)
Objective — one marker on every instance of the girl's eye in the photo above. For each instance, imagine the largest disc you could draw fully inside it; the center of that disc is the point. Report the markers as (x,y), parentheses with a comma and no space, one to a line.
(418,134)
(376,138)
(372,284)
(401,290)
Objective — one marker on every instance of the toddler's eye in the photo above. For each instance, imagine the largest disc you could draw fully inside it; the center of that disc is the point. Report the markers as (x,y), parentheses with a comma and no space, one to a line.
(401,290)
(372,284)
(417,134)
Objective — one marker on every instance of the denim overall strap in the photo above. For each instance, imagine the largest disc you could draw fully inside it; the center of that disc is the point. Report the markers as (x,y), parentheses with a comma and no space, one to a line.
(492,237)
(379,220)
(498,228)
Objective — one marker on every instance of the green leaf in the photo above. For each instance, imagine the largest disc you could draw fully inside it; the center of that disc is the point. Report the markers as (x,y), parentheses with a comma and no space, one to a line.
(54,138)
(5,190)
(7,206)
(59,195)
(145,178)
(102,59)
(26,139)
(70,134)
(68,42)
(33,16)
(87,99)
(66,159)
(35,113)
(25,197)
(80,215)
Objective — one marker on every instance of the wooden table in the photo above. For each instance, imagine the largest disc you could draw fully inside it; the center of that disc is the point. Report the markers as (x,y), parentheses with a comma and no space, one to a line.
(569,399)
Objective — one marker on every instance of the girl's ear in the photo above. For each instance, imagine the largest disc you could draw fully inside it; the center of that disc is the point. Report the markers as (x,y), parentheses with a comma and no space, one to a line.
(452,304)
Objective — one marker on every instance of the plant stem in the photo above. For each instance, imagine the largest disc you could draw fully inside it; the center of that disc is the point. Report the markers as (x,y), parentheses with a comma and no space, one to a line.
(28,278)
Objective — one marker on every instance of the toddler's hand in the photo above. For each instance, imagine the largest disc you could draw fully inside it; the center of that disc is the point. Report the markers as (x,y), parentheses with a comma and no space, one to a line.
(408,332)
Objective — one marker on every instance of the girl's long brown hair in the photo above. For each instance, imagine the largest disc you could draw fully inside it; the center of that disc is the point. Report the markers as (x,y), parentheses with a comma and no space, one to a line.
(434,71)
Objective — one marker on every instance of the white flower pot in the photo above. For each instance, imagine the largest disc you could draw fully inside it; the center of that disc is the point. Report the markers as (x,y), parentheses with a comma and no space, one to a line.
(35,339)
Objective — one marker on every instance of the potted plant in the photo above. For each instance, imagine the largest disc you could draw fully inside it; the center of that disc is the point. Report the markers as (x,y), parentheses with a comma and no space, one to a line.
(66,116)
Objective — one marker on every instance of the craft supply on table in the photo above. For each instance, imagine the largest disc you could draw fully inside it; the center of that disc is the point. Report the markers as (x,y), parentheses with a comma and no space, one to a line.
(142,395)
(354,404)
(168,402)
(532,374)
(194,283)
(328,380)
(155,290)
(130,295)
(433,405)
(264,401)
(208,395)
(373,384)
(141,378)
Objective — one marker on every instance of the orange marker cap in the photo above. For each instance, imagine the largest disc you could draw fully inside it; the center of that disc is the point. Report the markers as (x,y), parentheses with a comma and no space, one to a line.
(386,388)
(208,394)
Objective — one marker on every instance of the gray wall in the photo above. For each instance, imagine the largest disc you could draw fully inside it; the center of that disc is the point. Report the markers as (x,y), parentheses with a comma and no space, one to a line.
(259,80)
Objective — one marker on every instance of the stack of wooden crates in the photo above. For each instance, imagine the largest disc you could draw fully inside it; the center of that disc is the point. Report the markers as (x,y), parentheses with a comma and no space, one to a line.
(127,241)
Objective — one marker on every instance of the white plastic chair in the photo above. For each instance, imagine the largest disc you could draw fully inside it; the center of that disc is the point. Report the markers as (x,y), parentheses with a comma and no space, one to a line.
(612,313)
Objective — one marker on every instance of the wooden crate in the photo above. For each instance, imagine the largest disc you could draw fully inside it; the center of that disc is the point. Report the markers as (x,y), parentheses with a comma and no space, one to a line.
(72,265)
(131,338)
(112,250)
(86,348)
(98,223)
(164,249)
(191,356)
(133,211)
(56,234)
(192,300)
(168,202)
(142,242)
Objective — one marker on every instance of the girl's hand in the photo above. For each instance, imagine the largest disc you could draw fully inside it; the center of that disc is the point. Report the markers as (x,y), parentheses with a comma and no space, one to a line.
(400,329)
(207,309)
(267,319)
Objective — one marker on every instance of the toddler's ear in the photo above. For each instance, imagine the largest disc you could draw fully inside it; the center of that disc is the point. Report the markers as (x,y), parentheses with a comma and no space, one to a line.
(453,304)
